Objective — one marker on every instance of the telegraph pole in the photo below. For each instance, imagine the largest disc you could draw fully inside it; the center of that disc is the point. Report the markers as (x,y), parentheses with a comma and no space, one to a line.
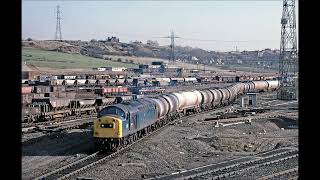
(172,46)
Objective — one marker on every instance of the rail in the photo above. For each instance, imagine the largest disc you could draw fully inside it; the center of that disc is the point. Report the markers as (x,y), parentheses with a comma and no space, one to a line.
(234,166)
(70,118)
(248,119)
(286,174)
(94,159)
(56,124)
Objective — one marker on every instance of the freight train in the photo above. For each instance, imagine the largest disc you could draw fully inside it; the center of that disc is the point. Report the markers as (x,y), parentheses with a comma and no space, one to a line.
(48,108)
(79,82)
(120,124)
(72,81)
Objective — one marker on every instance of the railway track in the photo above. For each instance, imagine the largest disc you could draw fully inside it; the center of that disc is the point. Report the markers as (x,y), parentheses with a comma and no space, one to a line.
(58,125)
(289,174)
(277,103)
(232,167)
(248,119)
(26,125)
(96,158)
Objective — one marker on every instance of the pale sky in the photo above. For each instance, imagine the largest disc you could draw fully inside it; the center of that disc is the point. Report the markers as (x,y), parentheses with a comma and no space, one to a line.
(253,25)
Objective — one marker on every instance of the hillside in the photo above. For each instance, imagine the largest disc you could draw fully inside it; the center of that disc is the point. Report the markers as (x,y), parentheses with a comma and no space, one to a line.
(265,59)
(59,60)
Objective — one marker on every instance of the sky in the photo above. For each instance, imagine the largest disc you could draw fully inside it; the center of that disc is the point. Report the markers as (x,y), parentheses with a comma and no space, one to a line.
(245,25)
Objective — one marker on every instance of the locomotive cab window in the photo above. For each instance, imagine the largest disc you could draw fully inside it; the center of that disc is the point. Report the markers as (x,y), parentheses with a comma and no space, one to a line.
(112,110)
(106,125)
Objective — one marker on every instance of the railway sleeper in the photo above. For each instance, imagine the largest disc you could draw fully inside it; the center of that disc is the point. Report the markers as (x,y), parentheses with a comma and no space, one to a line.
(222,170)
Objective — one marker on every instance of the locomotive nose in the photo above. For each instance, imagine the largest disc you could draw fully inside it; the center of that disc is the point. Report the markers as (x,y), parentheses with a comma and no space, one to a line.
(107,127)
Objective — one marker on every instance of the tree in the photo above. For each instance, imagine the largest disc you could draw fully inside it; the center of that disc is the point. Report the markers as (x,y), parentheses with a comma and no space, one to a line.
(152,43)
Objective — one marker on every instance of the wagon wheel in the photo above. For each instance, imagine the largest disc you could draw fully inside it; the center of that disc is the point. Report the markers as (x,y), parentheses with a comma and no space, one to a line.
(135,137)
(124,142)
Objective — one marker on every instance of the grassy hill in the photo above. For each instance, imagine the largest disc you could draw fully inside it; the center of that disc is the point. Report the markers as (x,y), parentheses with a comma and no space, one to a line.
(58,60)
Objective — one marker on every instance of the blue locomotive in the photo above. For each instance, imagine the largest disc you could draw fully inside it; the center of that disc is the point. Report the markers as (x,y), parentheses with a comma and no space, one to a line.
(120,124)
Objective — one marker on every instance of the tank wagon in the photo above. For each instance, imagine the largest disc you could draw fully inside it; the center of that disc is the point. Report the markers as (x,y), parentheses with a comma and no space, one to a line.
(81,82)
(120,124)
(207,98)
(217,97)
(273,85)
(260,85)
(173,102)
(225,95)
(190,80)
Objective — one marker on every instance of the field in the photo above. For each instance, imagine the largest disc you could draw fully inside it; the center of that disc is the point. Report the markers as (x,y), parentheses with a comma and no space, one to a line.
(58,60)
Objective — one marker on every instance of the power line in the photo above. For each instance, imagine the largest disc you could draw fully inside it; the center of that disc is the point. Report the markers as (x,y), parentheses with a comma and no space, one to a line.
(211,40)
(231,41)
(129,35)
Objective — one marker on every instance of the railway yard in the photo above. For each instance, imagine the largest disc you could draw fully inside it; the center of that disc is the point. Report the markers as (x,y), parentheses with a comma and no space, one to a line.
(221,101)
(229,142)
